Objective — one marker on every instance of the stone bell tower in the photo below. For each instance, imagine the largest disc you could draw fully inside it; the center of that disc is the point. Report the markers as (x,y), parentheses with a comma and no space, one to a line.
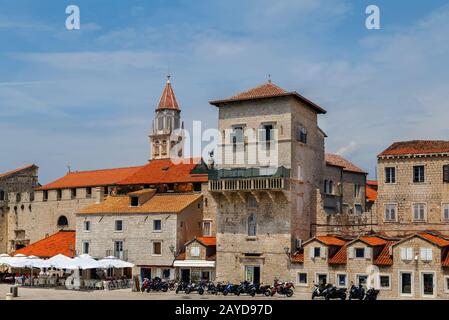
(167,119)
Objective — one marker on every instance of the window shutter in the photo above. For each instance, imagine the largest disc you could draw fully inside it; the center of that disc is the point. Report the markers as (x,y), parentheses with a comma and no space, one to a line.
(423,253)
(323,252)
(351,253)
(446,173)
(409,254)
(367,253)
(312,252)
(403,254)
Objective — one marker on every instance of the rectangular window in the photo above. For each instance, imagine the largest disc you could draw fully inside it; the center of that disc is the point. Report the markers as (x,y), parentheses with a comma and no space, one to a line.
(384,281)
(157,225)
(58,194)
(407,254)
(328,187)
(252,225)
(316,252)
(88,192)
(358,209)
(302,134)
(73,193)
(86,225)
(390,175)
(418,174)
(426,254)
(360,252)
(428,284)
(302,278)
(321,279)
(361,279)
(342,280)
(195,251)
(118,249)
(118,225)
(419,212)
(268,132)
(134,201)
(45,195)
(85,247)
(357,190)
(405,284)
(207,228)
(237,137)
(445,211)
(446,173)
(446,284)
(157,248)
(390,212)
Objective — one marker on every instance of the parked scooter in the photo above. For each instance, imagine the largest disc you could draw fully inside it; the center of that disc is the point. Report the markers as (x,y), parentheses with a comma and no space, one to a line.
(182,286)
(371,294)
(262,289)
(247,287)
(357,292)
(231,288)
(198,287)
(319,290)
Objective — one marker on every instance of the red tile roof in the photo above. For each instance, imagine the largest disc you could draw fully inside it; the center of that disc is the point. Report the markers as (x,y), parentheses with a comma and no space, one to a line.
(384,258)
(339,161)
(331,241)
(371,190)
(165,171)
(62,242)
(445,262)
(340,257)
(168,98)
(207,241)
(298,257)
(267,90)
(3,175)
(416,147)
(373,240)
(439,241)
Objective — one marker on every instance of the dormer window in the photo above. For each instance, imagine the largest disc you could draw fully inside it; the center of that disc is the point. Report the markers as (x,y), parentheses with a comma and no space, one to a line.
(134,201)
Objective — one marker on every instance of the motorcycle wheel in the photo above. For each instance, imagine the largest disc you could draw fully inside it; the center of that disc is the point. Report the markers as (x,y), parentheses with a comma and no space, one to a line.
(165,289)
(289,293)
(252,293)
(343,297)
(200,291)
(361,298)
(327,297)
(313,296)
(267,293)
(177,290)
(237,293)
(187,291)
(225,292)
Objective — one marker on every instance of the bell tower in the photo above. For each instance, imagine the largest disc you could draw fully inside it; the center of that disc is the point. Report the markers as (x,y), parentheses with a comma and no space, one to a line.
(167,119)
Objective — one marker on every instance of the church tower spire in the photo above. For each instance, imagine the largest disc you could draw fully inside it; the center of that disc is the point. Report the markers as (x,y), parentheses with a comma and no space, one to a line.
(167,119)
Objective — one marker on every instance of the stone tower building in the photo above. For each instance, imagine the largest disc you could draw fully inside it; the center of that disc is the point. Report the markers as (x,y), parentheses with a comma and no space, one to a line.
(167,120)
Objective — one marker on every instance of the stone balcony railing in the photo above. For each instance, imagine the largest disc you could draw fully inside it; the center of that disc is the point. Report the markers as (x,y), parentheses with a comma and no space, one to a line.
(248,179)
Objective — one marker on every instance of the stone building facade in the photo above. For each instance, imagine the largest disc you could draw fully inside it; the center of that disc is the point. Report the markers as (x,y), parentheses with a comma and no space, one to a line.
(12,185)
(143,227)
(413,188)
(265,210)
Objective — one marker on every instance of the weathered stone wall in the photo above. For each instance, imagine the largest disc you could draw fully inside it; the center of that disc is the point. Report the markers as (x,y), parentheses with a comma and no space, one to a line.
(404,193)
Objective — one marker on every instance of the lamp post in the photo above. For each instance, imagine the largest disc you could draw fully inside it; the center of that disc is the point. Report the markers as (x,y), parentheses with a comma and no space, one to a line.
(175,254)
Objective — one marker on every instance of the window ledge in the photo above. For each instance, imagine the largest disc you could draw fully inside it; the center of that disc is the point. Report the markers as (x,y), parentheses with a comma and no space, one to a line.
(251,238)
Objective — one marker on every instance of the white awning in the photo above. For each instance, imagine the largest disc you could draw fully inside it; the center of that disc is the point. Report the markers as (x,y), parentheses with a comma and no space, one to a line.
(194,263)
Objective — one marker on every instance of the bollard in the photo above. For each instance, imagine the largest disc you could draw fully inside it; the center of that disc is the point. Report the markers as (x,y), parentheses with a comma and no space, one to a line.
(9,296)
(14,290)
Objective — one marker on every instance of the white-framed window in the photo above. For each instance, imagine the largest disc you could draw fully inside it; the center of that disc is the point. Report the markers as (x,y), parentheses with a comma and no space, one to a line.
(300,177)
(302,279)
(390,212)
(428,284)
(86,247)
(157,248)
(342,280)
(358,208)
(328,187)
(317,252)
(357,190)
(407,254)
(321,278)
(252,225)
(390,175)
(418,174)
(118,225)
(207,228)
(419,211)
(86,225)
(384,281)
(445,211)
(157,225)
(195,251)
(406,283)
(425,254)
(446,284)
(361,279)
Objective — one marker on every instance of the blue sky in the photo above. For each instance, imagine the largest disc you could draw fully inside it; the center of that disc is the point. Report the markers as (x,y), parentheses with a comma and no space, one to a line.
(87,97)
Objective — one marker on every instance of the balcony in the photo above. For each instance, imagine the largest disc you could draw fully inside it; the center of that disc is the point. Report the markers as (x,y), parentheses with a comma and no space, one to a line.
(248,179)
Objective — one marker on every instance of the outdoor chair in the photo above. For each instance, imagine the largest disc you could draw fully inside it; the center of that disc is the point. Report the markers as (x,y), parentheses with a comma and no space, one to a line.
(35,282)
(52,282)
(42,282)
(99,285)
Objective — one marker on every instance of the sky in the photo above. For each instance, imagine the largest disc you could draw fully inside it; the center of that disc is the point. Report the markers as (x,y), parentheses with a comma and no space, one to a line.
(86,98)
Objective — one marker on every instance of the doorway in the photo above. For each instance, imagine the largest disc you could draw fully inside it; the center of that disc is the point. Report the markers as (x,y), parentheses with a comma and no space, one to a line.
(252,274)
(145,273)
(185,275)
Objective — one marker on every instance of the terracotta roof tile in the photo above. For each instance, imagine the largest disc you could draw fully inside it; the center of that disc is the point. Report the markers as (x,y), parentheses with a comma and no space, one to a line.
(384,258)
(267,90)
(416,147)
(298,257)
(159,203)
(439,241)
(373,240)
(94,178)
(168,98)
(165,171)
(62,242)
(445,262)
(339,161)
(207,241)
(331,241)
(181,256)
(340,257)
(5,174)
(371,190)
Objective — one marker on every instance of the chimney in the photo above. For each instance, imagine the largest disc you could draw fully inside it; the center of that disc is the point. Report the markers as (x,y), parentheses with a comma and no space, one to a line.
(99,194)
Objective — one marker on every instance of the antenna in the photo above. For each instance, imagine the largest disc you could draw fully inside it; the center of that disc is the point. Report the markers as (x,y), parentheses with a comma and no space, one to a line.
(69,169)
(269,78)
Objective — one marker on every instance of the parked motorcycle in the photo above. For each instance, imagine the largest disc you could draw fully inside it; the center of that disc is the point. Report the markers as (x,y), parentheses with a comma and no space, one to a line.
(198,287)
(145,284)
(371,294)
(262,289)
(231,288)
(332,292)
(319,290)
(283,288)
(182,286)
(357,292)
(211,288)
(247,287)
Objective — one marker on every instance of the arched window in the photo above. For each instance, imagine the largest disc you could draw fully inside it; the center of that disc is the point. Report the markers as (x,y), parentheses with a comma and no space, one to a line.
(62,221)
(252,225)
(251,201)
